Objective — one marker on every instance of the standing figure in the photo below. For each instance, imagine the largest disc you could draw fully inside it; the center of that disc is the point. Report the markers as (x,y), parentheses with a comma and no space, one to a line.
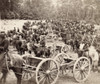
(3,48)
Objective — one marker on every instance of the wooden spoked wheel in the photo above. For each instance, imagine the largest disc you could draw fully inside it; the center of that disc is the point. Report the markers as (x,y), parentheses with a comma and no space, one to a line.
(28,70)
(60,58)
(47,72)
(81,69)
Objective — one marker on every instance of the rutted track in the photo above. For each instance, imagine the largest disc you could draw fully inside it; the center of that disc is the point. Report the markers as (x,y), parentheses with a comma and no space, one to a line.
(94,78)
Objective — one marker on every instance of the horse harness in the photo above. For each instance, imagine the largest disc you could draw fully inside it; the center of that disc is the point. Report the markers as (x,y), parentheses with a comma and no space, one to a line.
(8,63)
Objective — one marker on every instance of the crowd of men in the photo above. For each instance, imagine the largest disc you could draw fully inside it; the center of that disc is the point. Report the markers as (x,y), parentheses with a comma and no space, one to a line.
(32,39)
(33,34)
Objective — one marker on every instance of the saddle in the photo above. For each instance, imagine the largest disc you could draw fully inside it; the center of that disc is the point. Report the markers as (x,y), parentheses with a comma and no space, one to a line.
(5,61)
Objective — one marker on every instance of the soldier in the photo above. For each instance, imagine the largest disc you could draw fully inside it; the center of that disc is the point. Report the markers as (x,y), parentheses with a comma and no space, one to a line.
(3,43)
(3,48)
(42,51)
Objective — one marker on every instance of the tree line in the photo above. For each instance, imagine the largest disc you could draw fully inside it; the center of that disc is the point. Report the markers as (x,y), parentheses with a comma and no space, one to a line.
(88,10)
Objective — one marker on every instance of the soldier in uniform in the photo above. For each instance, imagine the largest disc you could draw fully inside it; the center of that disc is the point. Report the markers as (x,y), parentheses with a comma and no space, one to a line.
(42,51)
(3,48)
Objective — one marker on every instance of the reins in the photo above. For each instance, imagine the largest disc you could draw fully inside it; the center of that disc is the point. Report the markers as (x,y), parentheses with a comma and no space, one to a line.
(6,61)
(7,65)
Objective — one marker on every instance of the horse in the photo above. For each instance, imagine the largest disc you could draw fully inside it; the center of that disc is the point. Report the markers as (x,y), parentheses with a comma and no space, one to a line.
(93,54)
(90,52)
(14,63)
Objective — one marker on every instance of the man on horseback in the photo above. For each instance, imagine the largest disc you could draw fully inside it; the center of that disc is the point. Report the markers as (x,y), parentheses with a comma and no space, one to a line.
(42,51)
(3,48)
(17,61)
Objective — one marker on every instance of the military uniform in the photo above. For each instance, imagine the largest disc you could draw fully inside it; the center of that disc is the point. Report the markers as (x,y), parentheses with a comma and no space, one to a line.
(42,51)
(3,48)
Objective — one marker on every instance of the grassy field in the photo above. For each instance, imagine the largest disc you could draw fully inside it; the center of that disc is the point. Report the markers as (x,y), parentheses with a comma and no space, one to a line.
(94,78)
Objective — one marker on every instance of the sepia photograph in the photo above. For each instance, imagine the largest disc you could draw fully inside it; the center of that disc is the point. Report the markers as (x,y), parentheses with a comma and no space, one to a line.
(49,41)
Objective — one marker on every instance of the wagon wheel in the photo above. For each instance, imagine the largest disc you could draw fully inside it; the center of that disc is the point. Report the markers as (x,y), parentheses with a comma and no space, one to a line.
(28,73)
(47,72)
(28,70)
(81,69)
(65,49)
(60,60)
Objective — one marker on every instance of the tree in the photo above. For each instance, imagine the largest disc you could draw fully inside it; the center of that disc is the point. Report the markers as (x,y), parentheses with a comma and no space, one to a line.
(8,6)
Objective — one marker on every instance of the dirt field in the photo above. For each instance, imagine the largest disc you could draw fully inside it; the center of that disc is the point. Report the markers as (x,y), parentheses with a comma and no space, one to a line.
(94,78)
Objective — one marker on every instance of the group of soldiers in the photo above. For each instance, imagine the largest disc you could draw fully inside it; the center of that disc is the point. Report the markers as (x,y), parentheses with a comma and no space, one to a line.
(27,41)
(74,32)
(32,38)
(33,34)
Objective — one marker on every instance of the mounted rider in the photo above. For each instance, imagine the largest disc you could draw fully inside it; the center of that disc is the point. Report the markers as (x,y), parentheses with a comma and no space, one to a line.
(3,43)
(3,48)
(42,50)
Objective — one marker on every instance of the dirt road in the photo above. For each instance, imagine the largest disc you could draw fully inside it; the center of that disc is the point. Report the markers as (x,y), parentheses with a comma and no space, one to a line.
(94,78)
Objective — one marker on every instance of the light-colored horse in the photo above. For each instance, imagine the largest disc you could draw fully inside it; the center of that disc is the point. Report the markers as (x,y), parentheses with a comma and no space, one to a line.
(92,54)
(15,64)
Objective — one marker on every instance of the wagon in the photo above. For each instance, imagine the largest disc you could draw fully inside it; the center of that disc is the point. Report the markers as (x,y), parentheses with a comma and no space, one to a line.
(47,70)
(79,67)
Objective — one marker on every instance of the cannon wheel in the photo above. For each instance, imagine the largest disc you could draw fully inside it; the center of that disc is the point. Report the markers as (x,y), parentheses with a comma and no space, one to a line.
(47,72)
(81,69)
(28,70)
(60,60)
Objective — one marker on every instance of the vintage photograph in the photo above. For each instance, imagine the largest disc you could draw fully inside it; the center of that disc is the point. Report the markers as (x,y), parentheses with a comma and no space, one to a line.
(49,41)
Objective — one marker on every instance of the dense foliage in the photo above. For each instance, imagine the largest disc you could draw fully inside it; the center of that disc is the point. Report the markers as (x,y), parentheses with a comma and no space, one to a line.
(51,9)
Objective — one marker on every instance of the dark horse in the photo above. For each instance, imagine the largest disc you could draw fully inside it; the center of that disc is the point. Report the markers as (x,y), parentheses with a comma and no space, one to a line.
(16,68)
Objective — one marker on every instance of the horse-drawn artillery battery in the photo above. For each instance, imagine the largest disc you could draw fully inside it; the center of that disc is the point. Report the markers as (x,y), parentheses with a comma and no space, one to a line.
(47,70)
